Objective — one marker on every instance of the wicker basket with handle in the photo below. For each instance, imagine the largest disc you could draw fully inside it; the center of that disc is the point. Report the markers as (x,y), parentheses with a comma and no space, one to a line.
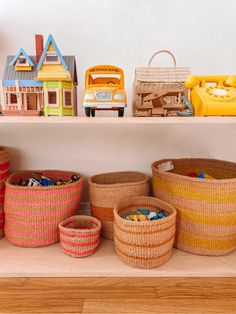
(206,220)
(32,214)
(144,244)
(106,189)
(158,91)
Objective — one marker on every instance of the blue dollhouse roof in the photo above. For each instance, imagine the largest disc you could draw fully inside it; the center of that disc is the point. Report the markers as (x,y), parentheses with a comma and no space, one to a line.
(51,41)
(20,52)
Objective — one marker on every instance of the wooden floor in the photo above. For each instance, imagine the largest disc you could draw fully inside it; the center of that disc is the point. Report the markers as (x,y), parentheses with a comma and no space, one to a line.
(118,295)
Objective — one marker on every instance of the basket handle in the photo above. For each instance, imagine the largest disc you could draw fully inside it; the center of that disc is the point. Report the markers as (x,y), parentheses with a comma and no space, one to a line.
(162,51)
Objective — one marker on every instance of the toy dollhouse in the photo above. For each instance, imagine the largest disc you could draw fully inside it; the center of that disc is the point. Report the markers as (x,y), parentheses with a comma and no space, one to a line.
(45,83)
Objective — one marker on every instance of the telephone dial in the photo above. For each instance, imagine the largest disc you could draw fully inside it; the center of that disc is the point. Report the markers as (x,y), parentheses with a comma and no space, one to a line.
(212,95)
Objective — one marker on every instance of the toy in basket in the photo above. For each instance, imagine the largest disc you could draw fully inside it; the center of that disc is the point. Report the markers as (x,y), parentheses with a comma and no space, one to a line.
(212,95)
(34,210)
(104,90)
(144,244)
(4,173)
(160,91)
(206,205)
(80,235)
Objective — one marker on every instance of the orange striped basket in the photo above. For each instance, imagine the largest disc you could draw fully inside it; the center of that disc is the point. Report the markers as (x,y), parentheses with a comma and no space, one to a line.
(206,220)
(80,235)
(4,173)
(144,244)
(106,189)
(32,214)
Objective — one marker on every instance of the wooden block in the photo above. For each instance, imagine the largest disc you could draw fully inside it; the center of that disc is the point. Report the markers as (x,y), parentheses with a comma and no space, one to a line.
(154,96)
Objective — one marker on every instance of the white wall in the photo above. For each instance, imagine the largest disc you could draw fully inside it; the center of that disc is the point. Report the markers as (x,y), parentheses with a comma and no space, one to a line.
(125,32)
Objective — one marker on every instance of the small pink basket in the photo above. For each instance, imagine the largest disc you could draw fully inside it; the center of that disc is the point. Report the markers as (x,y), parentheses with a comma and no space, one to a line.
(80,235)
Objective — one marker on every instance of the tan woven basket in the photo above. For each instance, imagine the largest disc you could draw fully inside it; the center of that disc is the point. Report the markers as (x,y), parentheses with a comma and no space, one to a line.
(32,214)
(106,189)
(80,242)
(206,220)
(2,189)
(146,244)
(158,91)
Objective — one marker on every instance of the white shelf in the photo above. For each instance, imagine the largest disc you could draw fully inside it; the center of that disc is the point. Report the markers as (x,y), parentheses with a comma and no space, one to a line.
(116,120)
(52,262)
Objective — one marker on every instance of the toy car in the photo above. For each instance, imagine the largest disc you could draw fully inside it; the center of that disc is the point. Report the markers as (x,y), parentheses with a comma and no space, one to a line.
(104,90)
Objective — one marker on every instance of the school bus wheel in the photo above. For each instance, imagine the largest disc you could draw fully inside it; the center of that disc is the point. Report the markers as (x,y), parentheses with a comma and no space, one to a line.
(93,112)
(87,111)
(120,112)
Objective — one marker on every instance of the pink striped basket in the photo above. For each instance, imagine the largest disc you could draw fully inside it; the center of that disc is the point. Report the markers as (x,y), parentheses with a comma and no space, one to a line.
(80,235)
(4,173)
(32,214)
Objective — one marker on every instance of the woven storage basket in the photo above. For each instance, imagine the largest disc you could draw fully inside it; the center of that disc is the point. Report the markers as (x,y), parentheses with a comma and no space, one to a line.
(80,242)
(158,91)
(206,220)
(105,190)
(32,214)
(4,173)
(146,244)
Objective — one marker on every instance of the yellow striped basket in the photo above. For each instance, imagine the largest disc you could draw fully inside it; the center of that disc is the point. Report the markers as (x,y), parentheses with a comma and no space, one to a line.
(206,208)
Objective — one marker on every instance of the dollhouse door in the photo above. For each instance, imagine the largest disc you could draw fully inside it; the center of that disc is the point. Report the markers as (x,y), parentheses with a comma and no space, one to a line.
(32,101)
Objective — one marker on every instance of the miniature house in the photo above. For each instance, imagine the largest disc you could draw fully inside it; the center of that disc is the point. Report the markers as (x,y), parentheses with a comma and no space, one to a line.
(44,83)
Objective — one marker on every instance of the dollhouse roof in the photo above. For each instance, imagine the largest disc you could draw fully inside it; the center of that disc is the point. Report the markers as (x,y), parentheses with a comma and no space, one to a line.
(21,52)
(10,74)
(51,41)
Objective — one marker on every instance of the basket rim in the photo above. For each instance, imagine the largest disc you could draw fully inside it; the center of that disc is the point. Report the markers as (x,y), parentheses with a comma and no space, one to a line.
(192,179)
(80,231)
(145,223)
(42,188)
(99,185)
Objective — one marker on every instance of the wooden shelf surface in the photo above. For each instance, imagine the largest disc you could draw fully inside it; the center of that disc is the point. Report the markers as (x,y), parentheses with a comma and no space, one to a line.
(52,262)
(116,120)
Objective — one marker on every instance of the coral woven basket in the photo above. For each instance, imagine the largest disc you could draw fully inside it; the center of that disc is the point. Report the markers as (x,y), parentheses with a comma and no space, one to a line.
(106,189)
(206,219)
(4,173)
(80,235)
(32,214)
(144,244)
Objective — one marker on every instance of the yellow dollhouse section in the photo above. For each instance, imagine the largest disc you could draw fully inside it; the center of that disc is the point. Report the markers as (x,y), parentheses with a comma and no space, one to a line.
(22,61)
(58,74)
(212,95)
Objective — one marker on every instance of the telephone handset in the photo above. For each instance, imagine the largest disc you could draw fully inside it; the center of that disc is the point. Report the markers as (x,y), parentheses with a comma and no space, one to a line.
(212,95)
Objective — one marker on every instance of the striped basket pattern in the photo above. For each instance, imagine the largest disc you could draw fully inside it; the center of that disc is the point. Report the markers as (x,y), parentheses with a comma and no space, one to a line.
(80,235)
(33,213)
(206,220)
(146,244)
(106,189)
(4,173)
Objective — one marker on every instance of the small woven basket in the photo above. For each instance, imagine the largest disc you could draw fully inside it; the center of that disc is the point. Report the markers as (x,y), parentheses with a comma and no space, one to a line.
(106,189)
(4,173)
(206,220)
(146,244)
(80,235)
(32,214)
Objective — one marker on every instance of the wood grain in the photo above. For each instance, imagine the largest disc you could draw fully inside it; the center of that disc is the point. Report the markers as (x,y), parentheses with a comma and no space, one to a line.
(160,306)
(118,295)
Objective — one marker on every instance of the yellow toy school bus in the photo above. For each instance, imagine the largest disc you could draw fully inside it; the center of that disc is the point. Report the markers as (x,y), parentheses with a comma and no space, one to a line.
(104,90)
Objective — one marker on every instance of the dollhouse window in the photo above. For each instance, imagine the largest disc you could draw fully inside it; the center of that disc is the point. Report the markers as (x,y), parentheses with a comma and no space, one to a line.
(67,99)
(51,57)
(52,98)
(22,60)
(13,99)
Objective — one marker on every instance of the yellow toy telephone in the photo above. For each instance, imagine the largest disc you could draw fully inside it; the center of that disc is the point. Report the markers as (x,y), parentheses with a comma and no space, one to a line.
(212,95)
